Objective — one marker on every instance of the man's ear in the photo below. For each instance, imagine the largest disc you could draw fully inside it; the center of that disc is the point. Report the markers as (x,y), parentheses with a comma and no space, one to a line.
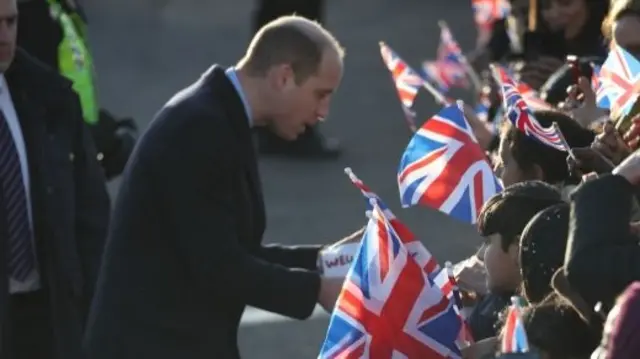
(280,77)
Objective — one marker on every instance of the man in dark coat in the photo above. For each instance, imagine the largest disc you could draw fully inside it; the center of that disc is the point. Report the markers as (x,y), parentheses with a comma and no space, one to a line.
(54,207)
(184,254)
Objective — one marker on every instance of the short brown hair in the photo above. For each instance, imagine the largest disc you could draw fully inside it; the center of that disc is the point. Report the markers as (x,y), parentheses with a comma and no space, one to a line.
(292,40)
(617,9)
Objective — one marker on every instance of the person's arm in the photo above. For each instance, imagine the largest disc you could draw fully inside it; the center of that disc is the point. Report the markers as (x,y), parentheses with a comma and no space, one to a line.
(602,257)
(195,176)
(93,205)
(299,256)
(290,256)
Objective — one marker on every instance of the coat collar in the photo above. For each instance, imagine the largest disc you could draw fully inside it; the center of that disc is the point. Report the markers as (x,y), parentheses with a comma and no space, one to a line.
(34,83)
(228,98)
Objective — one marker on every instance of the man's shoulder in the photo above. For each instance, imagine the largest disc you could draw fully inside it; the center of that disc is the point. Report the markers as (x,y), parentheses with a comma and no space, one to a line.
(191,106)
(29,69)
(203,101)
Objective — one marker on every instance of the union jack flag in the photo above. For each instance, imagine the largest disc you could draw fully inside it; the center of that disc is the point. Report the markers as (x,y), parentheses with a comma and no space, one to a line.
(519,114)
(388,307)
(487,12)
(532,98)
(620,80)
(443,167)
(447,283)
(446,74)
(449,48)
(448,70)
(602,100)
(514,337)
(419,253)
(407,80)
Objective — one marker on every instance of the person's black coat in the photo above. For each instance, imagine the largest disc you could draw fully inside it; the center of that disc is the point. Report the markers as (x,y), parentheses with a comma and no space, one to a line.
(70,204)
(602,257)
(484,320)
(184,254)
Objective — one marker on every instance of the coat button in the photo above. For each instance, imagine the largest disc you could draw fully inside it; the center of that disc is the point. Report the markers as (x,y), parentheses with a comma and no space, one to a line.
(72,156)
(49,190)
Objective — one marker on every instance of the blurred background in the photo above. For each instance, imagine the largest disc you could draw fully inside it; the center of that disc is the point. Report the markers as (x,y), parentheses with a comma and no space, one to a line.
(146,50)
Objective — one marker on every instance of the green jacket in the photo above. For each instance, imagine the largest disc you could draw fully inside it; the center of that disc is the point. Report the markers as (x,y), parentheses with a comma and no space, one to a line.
(75,60)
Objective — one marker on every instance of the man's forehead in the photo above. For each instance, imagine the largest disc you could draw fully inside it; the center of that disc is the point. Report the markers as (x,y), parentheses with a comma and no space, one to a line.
(8,8)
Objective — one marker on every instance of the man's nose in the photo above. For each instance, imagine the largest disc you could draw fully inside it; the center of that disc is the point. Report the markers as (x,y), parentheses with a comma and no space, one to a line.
(323,110)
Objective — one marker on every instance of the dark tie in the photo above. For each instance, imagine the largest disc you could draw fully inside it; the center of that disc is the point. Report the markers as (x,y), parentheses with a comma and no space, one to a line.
(21,256)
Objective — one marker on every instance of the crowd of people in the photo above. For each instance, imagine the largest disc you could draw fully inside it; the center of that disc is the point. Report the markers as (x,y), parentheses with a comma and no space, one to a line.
(562,233)
(190,216)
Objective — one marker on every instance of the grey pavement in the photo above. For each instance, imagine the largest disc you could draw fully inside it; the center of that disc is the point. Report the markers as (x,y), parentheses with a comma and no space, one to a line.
(147,50)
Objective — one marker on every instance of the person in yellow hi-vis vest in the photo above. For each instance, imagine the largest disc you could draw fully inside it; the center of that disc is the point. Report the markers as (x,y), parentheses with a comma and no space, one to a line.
(54,31)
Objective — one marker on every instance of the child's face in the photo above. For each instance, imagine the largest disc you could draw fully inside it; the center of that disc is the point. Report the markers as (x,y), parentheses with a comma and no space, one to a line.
(502,267)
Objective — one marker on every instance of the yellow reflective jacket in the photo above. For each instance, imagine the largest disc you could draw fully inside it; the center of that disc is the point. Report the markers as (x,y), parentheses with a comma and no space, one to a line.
(75,60)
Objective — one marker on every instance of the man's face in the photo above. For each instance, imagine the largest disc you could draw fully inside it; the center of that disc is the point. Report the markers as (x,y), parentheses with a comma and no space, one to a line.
(297,106)
(8,30)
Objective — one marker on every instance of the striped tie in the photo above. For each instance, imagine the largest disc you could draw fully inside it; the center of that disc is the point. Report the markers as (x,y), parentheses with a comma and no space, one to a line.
(20,255)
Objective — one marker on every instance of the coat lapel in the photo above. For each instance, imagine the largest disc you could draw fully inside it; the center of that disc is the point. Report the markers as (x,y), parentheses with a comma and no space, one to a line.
(232,104)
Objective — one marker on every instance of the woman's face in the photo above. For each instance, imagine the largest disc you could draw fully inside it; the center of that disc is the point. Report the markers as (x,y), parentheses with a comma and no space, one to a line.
(567,15)
(626,33)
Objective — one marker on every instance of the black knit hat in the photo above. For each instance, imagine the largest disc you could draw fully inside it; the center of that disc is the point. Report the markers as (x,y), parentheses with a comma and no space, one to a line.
(542,246)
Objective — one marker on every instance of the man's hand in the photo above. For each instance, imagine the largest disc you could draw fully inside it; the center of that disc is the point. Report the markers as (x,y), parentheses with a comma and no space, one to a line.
(610,144)
(329,291)
(587,112)
(630,168)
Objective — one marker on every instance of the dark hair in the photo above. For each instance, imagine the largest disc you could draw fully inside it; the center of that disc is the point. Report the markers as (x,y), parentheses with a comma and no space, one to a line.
(555,327)
(527,151)
(508,212)
(542,246)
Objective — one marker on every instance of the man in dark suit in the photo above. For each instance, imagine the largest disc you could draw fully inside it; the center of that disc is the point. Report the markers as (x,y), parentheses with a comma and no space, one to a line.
(184,254)
(54,207)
